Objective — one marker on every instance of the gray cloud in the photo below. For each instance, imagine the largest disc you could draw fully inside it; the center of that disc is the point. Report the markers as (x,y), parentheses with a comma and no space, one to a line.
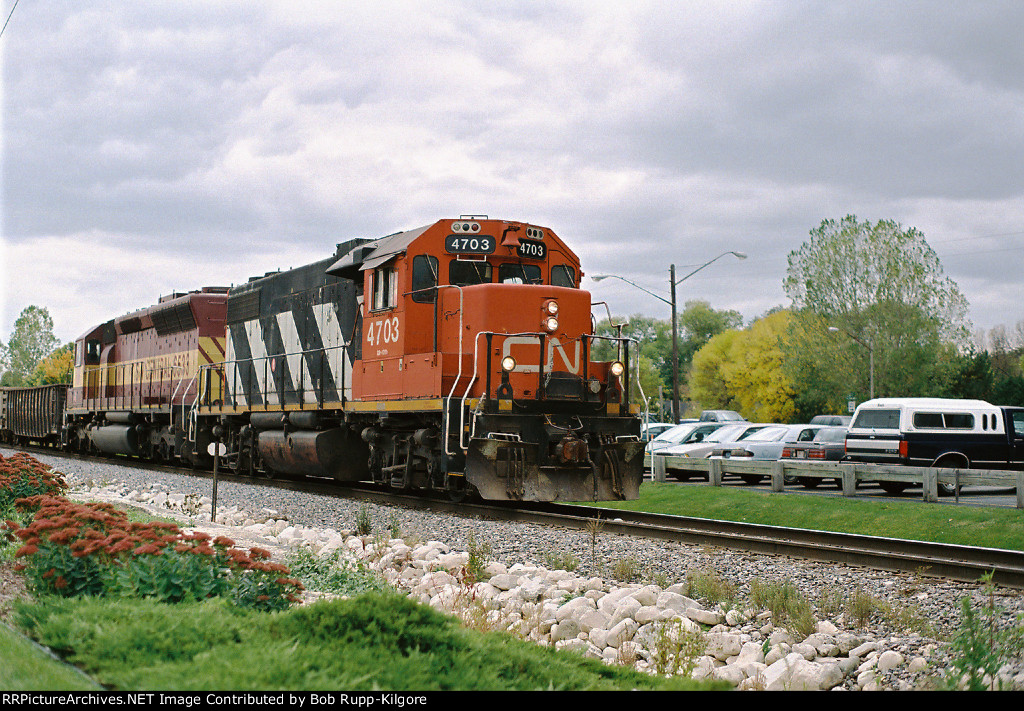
(210,140)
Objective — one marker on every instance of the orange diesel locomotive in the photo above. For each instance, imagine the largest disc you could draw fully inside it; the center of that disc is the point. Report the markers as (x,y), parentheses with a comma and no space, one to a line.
(456,356)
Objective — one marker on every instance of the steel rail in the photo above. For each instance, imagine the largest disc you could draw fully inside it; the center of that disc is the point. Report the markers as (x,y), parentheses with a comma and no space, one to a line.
(939,560)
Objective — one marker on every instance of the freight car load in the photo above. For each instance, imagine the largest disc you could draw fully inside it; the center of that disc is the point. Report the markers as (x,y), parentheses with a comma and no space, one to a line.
(456,356)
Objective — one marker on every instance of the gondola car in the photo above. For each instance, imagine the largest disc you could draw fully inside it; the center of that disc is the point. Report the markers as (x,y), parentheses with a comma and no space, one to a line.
(32,414)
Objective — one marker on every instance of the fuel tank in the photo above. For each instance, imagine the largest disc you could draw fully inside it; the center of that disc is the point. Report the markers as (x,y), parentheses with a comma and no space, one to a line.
(116,439)
(334,453)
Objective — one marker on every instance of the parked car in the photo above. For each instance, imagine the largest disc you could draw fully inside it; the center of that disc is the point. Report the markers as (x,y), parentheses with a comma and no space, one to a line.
(699,450)
(765,445)
(768,443)
(686,433)
(832,420)
(652,429)
(721,416)
(828,445)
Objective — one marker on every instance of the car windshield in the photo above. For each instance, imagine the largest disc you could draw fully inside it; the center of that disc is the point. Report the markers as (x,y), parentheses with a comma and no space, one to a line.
(676,434)
(831,434)
(725,434)
(768,434)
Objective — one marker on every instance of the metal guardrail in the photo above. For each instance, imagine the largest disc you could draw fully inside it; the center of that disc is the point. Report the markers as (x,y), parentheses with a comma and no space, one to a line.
(849,474)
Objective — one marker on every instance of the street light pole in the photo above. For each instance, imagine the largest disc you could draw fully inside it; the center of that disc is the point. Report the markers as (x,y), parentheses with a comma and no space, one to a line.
(673,282)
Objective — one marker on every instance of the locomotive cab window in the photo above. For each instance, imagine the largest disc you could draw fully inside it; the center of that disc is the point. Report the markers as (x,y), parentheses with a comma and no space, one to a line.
(467,272)
(519,274)
(385,289)
(424,279)
(92,352)
(563,275)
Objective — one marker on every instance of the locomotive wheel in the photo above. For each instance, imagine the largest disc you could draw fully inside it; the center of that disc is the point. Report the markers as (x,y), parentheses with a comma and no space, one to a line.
(458,488)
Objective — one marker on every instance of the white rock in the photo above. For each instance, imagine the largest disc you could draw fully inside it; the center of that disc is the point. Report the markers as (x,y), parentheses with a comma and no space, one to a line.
(889,660)
(723,645)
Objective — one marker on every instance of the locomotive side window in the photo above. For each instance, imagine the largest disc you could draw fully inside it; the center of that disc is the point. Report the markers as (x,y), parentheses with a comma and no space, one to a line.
(465,273)
(424,279)
(385,289)
(92,352)
(519,274)
(563,275)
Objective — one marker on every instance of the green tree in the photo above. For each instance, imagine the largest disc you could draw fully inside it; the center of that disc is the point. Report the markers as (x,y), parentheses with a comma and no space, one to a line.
(30,342)
(882,287)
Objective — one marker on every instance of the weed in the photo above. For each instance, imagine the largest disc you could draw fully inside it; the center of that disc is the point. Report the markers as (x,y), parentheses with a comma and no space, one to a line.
(594,528)
(981,647)
(677,648)
(860,606)
(561,560)
(711,587)
(363,523)
(333,573)
(626,570)
(831,601)
(789,607)
(479,554)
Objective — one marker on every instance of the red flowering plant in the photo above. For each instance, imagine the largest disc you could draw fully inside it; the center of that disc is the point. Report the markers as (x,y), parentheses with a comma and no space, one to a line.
(72,549)
(22,476)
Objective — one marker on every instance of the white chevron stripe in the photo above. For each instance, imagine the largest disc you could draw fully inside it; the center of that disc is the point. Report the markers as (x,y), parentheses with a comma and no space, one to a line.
(333,339)
(254,334)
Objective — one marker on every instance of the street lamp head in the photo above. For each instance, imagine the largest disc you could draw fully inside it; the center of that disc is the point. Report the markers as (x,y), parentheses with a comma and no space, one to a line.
(599,277)
(740,255)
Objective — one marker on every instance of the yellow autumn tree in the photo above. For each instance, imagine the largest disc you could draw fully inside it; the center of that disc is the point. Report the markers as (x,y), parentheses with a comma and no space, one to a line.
(742,370)
(55,368)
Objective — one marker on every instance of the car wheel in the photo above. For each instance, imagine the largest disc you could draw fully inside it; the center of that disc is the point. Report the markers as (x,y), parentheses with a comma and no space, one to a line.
(893,488)
(809,482)
(751,478)
(953,462)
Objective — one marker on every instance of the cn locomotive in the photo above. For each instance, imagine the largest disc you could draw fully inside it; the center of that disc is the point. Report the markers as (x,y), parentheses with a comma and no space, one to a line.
(455,357)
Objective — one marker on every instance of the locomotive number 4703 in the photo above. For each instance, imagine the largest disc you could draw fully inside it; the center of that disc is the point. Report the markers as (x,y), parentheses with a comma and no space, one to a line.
(382,331)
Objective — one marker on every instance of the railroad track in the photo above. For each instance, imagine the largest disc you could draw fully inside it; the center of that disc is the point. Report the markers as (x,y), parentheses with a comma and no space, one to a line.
(953,562)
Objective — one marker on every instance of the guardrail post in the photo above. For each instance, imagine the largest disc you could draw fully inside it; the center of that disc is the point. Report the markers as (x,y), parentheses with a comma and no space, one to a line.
(930,484)
(849,480)
(658,468)
(715,472)
(778,477)
(1020,490)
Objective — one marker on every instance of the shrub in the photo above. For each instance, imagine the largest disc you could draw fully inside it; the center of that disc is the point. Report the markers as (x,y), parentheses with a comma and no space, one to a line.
(23,476)
(72,549)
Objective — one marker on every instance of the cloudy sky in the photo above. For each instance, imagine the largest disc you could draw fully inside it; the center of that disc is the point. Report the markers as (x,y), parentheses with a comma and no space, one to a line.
(161,146)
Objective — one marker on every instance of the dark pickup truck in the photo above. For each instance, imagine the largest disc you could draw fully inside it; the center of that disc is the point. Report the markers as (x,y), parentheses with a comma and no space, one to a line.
(937,432)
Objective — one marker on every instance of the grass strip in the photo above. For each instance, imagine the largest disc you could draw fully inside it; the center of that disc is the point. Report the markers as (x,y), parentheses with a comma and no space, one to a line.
(26,667)
(370,642)
(987,527)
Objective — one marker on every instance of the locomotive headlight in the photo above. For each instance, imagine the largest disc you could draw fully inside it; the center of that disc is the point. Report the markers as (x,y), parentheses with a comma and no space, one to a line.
(551,307)
(508,364)
(551,324)
(617,368)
